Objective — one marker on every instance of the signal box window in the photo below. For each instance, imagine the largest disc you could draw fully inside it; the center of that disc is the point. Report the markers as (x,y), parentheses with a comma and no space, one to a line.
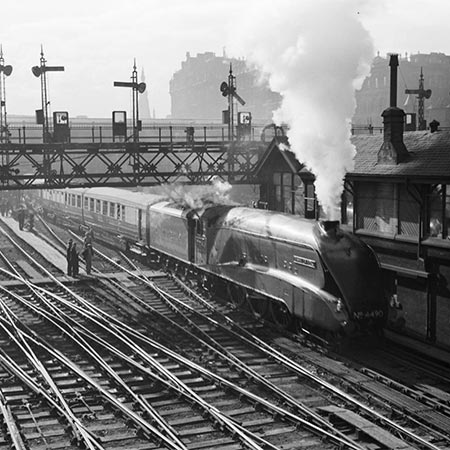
(408,214)
(439,212)
(378,211)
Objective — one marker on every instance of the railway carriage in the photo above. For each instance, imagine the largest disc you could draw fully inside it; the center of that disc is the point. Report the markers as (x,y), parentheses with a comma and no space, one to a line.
(113,213)
(288,267)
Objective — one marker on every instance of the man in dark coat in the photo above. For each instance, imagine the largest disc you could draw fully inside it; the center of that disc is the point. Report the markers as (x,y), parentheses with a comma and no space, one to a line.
(74,260)
(21,217)
(87,255)
(69,257)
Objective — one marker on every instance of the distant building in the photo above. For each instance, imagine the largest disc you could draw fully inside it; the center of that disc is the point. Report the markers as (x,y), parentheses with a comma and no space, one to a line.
(195,93)
(373,97)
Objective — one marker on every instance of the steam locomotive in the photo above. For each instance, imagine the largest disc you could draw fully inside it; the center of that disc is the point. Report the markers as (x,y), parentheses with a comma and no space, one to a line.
(291,269)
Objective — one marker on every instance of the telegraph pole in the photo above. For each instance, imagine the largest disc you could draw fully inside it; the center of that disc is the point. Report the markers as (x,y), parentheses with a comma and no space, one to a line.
(42,115)
(421,95)
(137,88)
(5,71)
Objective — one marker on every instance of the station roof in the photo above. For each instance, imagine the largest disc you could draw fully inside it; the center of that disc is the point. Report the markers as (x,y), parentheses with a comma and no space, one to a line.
(428,159)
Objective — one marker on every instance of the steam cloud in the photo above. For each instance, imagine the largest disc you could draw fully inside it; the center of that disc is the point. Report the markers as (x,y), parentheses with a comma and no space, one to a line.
(199,197)
(315,53)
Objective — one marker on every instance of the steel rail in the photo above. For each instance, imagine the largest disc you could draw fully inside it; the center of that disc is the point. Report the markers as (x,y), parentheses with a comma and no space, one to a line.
(282,359)
(70,365)
(120,328)
(11,366)
(19,338)
(140,422)
(247,437)
(231,359)
(222,418)
(11,424)
(59,320)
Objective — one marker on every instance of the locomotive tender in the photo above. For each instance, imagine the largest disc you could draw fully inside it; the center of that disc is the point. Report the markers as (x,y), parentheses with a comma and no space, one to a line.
(291,267)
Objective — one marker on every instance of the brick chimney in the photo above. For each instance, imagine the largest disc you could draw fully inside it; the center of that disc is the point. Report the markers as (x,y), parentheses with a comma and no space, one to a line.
(393,150)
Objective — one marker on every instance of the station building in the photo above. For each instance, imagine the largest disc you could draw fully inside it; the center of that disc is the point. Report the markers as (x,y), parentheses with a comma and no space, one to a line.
(397,199)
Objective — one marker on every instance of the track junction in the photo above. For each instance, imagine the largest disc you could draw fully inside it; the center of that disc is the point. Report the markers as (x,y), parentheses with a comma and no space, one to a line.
(134,357)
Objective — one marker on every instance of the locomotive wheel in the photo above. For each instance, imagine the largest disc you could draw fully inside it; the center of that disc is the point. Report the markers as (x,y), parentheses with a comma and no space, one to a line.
(238,295)
(280,315)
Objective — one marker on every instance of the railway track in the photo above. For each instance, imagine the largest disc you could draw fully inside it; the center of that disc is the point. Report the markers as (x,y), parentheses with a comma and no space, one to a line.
(127,357)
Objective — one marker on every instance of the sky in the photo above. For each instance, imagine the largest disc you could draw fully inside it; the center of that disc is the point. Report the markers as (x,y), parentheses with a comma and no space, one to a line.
(97,40)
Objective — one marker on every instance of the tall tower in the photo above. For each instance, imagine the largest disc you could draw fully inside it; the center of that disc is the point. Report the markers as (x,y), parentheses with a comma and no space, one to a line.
(144,107)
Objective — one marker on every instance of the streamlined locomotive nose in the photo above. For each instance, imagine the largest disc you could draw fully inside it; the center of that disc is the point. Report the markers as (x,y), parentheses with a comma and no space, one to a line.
(356,272)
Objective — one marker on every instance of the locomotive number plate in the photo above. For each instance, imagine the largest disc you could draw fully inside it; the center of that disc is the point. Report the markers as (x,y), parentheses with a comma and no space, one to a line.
(376,314)
(300,260)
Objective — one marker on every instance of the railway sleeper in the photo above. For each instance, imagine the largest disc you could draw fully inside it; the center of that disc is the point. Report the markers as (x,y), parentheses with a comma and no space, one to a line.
(365,428)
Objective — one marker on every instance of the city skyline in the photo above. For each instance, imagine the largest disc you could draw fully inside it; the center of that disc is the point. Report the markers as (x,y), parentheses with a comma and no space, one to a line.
(98,41)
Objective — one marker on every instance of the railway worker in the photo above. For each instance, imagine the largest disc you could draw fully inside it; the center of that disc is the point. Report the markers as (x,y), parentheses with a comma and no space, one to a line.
(69,257)
(21,217)
(88,238)
(74,260)
(3,206)
(30,220)
(87,255)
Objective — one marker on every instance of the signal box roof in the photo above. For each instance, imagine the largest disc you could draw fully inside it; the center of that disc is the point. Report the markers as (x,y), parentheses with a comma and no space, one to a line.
(428,159)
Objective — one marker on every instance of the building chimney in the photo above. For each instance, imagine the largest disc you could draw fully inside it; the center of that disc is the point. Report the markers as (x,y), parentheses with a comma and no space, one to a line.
(393,150)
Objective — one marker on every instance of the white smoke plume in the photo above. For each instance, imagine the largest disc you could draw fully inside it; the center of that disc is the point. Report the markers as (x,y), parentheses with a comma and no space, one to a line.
(315,53)
(199,197)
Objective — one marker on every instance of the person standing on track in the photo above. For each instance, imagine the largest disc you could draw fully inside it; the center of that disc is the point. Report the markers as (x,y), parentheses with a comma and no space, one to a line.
(21,217)
(74,260)
(69,257)
(87,255)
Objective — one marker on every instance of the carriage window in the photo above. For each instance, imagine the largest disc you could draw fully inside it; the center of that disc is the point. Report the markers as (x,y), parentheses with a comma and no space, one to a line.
(112,210)
(91,204)
(65,197)
(120,212)
(98,206)
(86,203)
(78,201)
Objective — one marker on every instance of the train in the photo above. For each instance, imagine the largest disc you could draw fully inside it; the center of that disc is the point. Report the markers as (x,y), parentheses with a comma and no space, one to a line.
(291,269)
